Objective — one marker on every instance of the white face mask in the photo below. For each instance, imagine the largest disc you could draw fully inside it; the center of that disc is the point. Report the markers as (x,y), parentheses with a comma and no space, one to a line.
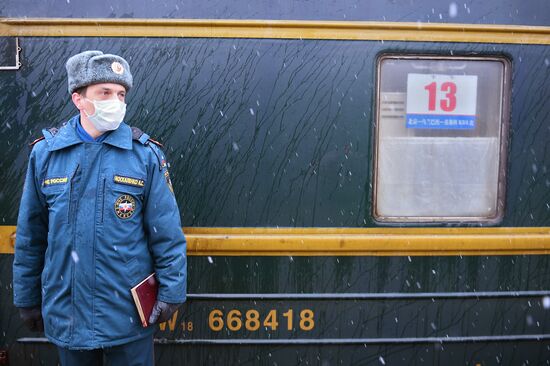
(108,114)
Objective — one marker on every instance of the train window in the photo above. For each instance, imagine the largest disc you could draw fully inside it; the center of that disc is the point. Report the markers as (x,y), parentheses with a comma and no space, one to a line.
(9,53)
(441,133)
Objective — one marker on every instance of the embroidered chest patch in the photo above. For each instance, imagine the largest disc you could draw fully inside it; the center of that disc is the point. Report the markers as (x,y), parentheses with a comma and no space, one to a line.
(125,206)
(54,181)
(128,181)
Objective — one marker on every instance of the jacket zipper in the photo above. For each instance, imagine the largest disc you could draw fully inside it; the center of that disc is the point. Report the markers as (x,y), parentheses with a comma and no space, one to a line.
(72,225)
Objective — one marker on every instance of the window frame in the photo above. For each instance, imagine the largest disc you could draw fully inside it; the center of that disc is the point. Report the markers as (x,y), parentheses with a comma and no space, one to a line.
(505,107)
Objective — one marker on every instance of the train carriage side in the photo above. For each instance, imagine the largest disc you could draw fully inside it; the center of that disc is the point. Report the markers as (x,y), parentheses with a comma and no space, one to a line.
(352,192)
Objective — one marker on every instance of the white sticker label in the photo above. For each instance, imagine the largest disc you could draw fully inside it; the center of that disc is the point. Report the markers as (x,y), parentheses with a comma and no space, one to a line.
(441,101)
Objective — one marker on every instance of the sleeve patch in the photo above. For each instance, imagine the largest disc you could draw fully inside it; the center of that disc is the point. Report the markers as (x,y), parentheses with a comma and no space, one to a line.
(168,181)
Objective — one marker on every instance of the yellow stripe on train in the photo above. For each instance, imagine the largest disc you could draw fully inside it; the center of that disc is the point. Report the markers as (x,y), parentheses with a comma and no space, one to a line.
(214,241)
(274,29)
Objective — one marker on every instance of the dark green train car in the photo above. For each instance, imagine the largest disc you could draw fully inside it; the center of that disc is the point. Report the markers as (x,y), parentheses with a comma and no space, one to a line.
(359,183)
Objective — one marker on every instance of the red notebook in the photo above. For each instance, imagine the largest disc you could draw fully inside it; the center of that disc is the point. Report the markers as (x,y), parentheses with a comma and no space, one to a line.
(145,295)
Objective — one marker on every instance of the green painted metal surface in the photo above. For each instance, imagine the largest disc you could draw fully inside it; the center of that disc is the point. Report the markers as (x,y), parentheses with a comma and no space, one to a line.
(265,132)
(451,329)
(279,133)
(489,12)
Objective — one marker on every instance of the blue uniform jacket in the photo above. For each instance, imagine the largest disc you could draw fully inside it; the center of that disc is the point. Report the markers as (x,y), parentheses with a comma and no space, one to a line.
(95,219)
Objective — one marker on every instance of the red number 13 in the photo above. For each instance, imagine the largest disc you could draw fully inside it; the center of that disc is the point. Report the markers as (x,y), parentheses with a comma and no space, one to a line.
(449,103)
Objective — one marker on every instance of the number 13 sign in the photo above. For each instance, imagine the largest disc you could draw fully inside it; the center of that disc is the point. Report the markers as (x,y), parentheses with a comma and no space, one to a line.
(441,101)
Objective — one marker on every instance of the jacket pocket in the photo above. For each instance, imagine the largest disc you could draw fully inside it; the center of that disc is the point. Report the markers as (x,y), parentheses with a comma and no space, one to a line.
(56,189)
(132,272)
(124,203)
(72,193)
(102,201)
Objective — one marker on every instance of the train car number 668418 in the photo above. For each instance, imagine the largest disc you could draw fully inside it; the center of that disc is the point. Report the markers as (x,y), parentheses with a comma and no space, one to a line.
(252,320)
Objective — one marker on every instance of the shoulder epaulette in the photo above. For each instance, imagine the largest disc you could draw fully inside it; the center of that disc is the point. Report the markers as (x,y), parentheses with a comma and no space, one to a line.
(52,130)
(37,140)
(142,137)
(155,142)
(136,133)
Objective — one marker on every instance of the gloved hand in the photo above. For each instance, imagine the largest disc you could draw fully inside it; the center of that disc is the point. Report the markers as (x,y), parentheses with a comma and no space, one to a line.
(162,311)
(32,317)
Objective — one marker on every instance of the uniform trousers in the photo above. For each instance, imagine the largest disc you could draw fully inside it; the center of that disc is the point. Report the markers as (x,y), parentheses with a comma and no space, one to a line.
(136,353)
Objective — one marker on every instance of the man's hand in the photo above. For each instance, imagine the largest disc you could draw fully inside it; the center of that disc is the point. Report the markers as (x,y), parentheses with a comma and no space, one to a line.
(32,317)
(162,311)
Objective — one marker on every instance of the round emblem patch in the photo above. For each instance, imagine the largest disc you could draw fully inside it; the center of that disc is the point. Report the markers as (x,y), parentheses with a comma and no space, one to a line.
(117,67)
(125,206)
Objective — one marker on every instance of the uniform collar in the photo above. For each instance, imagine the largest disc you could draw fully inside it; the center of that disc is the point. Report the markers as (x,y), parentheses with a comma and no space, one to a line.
(67,136)
(121,137)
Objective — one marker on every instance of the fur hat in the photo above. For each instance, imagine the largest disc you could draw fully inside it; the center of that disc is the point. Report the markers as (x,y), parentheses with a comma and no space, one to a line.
(94,67)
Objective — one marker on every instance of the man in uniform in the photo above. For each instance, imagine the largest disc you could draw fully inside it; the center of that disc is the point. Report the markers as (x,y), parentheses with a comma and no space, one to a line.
(97,216)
